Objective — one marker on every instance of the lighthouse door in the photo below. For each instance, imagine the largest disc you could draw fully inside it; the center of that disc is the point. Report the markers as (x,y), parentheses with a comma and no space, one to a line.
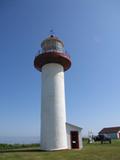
(74,139)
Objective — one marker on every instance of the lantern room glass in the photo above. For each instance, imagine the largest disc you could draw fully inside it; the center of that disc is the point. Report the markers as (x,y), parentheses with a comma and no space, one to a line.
(52,45)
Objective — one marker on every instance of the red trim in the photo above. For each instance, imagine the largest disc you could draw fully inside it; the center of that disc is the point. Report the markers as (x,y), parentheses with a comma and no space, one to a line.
(52,57)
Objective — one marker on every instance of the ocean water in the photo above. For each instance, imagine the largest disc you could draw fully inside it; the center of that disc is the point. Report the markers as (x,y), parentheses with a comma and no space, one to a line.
(19,140)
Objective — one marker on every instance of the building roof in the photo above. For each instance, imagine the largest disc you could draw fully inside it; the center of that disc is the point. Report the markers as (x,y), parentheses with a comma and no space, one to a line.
(109,130)
(69,124)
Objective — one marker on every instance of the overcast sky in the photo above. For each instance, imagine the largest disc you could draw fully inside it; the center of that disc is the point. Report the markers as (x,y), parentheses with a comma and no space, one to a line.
(90,30)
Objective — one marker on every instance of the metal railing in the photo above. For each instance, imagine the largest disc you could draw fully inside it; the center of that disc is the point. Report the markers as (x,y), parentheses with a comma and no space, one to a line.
(65,53)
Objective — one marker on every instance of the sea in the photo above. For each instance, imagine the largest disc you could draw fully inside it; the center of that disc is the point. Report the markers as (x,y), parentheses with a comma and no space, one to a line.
(19,140)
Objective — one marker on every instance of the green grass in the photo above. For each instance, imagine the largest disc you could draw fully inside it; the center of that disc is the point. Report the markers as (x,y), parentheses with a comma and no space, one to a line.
(95,151)
(4,147)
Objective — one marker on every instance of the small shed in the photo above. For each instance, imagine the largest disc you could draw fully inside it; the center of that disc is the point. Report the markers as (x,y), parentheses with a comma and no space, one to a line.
(113,132)
(74,137)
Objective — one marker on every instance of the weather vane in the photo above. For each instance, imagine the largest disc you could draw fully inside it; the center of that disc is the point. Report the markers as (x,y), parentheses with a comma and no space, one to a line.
(52,32)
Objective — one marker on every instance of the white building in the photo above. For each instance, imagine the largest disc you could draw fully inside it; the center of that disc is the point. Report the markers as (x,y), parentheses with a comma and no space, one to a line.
(74,136)
(113,132)
(53,61)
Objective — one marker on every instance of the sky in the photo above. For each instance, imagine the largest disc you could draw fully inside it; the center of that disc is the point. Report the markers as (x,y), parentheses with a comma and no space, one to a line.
(90,30)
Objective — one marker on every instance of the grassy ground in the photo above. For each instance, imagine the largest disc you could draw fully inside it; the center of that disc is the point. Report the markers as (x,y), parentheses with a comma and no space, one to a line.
(89,152)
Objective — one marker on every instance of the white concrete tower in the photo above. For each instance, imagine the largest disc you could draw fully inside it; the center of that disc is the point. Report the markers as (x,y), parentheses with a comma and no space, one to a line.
(52,61)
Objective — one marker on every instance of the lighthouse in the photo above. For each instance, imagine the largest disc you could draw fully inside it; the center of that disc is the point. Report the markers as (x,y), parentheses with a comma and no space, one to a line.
(52,61)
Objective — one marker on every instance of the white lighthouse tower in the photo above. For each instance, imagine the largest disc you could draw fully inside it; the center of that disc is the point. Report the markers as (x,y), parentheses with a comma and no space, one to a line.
(52,61)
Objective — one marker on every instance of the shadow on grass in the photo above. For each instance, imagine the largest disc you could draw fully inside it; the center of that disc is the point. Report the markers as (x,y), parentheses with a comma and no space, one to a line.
(29,150)
(22,150)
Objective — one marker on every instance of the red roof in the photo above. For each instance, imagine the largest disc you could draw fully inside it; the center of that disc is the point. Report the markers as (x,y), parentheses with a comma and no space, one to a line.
(109,130)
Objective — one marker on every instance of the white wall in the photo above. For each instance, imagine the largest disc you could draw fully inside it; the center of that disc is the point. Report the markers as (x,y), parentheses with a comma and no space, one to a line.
(118,134)
(53,114)
(70,128)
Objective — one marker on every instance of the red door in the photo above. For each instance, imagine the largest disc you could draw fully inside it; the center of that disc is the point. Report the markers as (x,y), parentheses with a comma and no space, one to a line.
(74,139)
